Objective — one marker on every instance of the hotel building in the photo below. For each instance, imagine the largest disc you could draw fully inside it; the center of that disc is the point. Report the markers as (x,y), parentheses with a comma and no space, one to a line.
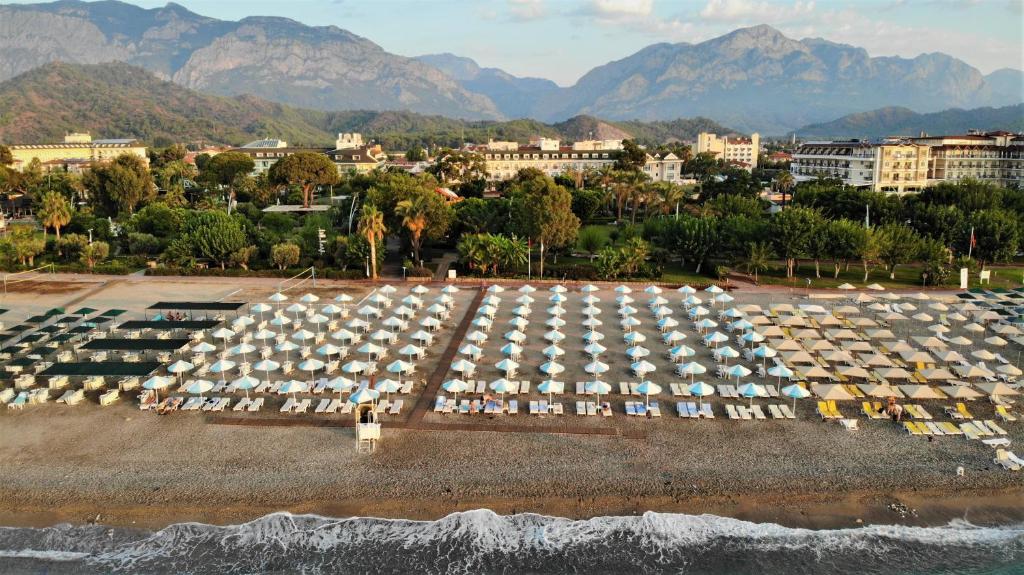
(504,159)
(739,151)
(77,152)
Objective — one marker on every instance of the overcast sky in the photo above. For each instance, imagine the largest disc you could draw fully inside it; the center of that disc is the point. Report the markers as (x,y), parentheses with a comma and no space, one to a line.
(563,39)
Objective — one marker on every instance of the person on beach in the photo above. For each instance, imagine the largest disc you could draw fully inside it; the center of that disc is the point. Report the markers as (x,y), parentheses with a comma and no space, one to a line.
(894,410)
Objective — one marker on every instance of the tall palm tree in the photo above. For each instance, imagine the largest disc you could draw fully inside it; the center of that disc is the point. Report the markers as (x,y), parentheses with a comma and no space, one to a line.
(54,212)
(759,255)
(784,182)
(371,225)
(413,212)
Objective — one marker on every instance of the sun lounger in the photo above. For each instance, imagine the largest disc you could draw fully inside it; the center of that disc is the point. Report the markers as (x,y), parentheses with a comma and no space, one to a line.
(731,410)
(72,397)
(691,409)
(581,408)
(787,411)
(997,442)
(911,428)
(745,412)
(949,428)
(346,407)
(396,407)
(1003,458)
(449,406)
(513,407)
(242,404)
(591,408)
(970,431)
(706,411)
(624,387)
(288,406)
(681,409)
(630,408)
(823,410)
(333,406)
(581,388)
(1004,414)
(995,427)
(758,413)
(407,387)
(775,412)
(465,406)
(935,428)
(109,397)
(322,406)
(556,408)
(962,410)
(481,386)
(303,405)
(534,408)
(439,404)
(57,381)
(147,399)
(19,401)
(653,409)
(524,386)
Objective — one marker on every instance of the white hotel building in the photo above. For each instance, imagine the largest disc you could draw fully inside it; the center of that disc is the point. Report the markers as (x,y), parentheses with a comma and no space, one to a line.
(504,159)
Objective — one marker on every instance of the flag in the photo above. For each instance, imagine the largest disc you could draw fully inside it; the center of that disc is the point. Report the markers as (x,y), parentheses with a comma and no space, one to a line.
(974,242)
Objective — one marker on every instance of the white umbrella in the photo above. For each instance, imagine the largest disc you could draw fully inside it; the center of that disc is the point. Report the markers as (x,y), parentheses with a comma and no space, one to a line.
(701,390)
(388,386)
(311,365)
(455,386)
(598,388)
(636,352)
(224,334)
(515,336)
(401,367)
(303,335)
(280,321)
(463,366)
(780,371)
(371,349)
(692,369)
(594,349)
(266,366)
(200,386)
(589,288)
(222,366)
(552,368)
(242,349)
(673,337)
(501,386)
(750,391)
(713,289)
(158,382)
(648,388)
(596,367)
(293,386)
(420,335)
(263,335)
(554,336)
(507,365)
(243,321)
(278,297)
(260,308)
(364,395)
(623,289)
(296,308)
(179,367)
(203,347)
(737,371)
(593,336)
(796,392)
(680,351)
(309,298)
(727,352)
(552,351)
(550,387)
(471,350)
(686,290)
(245,383)
(328,349)
(634,337)
(642,367)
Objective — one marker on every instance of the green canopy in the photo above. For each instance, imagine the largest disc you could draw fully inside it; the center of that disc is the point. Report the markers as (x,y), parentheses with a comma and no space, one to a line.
(113,312)
(85,311)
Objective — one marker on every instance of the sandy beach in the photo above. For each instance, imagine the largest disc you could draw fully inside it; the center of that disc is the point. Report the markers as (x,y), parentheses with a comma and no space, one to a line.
(119,466)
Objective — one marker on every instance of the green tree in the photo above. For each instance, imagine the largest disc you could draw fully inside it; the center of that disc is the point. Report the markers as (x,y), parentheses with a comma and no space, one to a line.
(285,255)
(121,185)
(784,183)
(632,157)
(425,215)
(456,166)
(308,170)
(591,240)
(54,212)
(241,256)
(897,244)
(586,203)
(542,210)
(844,240)
(791,233)
(996,236)
(869,250)
(95,253)
(228,169)
(26,243)
(936,268)
(214,235)
(416,154)
(6,158)
(692,238)
(371,225)
(758,258)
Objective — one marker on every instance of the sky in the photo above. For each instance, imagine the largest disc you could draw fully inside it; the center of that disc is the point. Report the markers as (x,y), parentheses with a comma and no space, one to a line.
(562,39)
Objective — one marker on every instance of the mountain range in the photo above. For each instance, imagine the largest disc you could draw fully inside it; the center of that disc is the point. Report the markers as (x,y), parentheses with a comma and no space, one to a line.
(118,100)
(750,79)
(894,121)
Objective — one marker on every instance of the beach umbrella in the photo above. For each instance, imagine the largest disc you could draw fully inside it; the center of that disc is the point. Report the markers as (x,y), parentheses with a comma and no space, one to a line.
(622,289)
(309,298)
(317,319)
(643,367)
(974,327)
(555,322)
(203,347)
(796,392)
(328,349)
(501,386)
(737,371)
(379,299)
(200,386)
(623,300)
(422,336)
(495,288)
(699,311)
(750,391)
(371,349)
(876,287)
(411,351)
(846,286)
(598,388)
(723,298)
(263,335)
(438,309)
(558,288)
(293,386)
(243,321)
(280,321)
(245,383)
(296,308)
(983,354)
(388,386)
(507,365)
(266,366)
(752,337)
(278,297)
(627,310)
(706,323)
(354,366)
(455,386)
(780,371)
(434,323)
(303,335)
(223,334)
(311,365)
(550,386)
(629,323)
(525,299)
(713,289)
(648,388)
(476,336)
(400,367)
(652,290)
(552,351)
(740,324)
(344,299)
(692,369)
(662,312)
(701,390)
(558,298)
(667,323)
(462,366)
(364,395)
(242,349)
(716,338)
(634,337)
(996,341)
(636,352)
(593,336)
(447,300)
(596,368)
(686,289)
(331,309)
(1009,369)
(158,382)
(179,367)
(515,336)
(594,349)
(591,322)
(222,366)
(522,310)
(551,368)
(554,336)
(681,351)
(764,352)
(344,335)
(526,289)
(692,300)
(511,349)
(727,352)
(589,288)
(673,337)
(382,335)
(591,311)
(474,352)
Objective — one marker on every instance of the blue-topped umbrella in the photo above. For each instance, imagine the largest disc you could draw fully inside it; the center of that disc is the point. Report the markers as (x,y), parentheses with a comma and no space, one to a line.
(455,386)
(750,390)
(245,383)
(200,386)
(550,386)
(701,389)
(598,388)
(796,392)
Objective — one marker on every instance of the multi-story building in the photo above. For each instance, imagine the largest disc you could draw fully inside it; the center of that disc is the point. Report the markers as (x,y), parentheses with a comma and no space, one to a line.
(504,159)
(739,151)
(996,157)
(75,153)
(267,152)
(902,165)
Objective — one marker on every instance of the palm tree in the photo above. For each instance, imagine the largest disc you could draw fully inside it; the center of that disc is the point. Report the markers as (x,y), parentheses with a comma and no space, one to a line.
(414,217)
(54,212)
(668,196)
(759,255)
(784,182)
(371,225)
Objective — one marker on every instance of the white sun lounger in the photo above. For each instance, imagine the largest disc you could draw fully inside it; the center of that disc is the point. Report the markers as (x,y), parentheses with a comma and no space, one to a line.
(322,406)
(288,406)
(303,405)
(255,405)
(396,407)
(241,405)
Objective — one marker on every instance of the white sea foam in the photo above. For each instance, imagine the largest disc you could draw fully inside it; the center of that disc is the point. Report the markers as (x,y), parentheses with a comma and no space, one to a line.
(46,555)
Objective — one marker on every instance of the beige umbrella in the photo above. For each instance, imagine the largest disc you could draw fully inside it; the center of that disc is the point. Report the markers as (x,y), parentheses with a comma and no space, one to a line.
(949,356)
(783,307)
(857,346)
(806,334)
(897,346)
(983,354)
(876,359)
(863,322)
(961,392)
(863,298)
(921,316)
(843,334)
(894,373)
(969,371)
(759,320)
(893,316)
(914,356)
(997,388)
(846,309)
(996,341)
(1009,369)
(771,331)
(854,371)
(751,308)
(960,340)
(920,392)
(831,392)
(827,320)
(793,321)
(786,345)
(929,342)
(879,334)
(819,345)
(937,373)
(838,355)
(879,390)
(793,357)
(1004,329)
(815,372)
(974,327)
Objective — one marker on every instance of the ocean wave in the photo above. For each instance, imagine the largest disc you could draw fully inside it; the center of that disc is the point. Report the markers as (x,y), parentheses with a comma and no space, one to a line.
(481,541)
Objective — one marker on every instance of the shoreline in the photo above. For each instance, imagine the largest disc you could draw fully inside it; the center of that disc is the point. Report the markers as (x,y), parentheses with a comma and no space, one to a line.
(926,508)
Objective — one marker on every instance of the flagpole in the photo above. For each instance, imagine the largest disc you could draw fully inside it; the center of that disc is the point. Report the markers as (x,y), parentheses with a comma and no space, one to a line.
(970,244)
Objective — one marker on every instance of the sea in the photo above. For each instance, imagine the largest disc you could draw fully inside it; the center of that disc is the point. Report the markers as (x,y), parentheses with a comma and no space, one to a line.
(480,541)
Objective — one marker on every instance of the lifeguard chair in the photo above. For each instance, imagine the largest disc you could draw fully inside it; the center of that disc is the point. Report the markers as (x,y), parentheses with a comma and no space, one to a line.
(367,428)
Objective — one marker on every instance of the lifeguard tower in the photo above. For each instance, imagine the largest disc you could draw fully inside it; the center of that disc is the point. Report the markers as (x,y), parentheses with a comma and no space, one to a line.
(367,428)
